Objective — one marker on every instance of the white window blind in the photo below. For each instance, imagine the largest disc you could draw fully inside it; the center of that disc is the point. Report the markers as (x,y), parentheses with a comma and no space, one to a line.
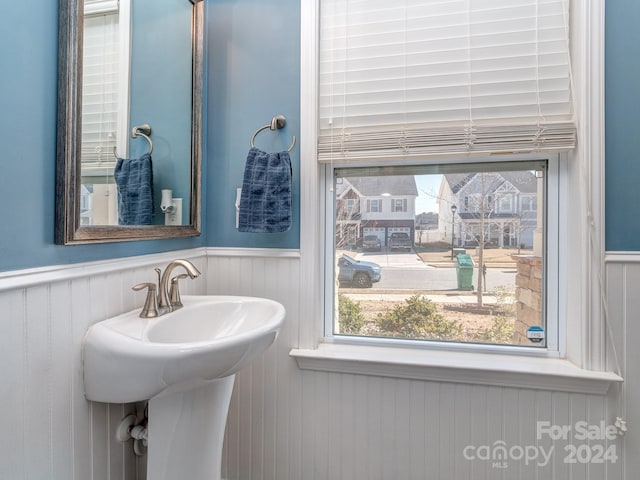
(94,7)
(99,90)
(413,78)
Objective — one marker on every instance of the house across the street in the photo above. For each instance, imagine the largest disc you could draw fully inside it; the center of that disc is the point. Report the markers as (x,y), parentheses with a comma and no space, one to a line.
(377,205)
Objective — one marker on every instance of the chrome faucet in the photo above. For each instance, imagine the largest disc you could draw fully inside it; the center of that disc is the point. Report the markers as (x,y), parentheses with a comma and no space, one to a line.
(167,298)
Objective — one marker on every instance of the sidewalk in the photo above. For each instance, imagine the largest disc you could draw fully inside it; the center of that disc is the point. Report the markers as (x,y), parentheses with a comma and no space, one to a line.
(453,298)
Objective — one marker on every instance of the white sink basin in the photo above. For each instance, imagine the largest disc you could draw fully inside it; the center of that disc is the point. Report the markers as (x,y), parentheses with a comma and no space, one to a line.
(130,359)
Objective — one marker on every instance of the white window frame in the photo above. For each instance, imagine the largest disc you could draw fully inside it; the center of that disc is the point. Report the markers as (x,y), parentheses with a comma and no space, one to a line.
(554,321)
(582,363)
(123,8)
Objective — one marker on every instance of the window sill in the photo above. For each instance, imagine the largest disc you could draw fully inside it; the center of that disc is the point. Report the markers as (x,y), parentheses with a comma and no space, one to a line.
(459,367)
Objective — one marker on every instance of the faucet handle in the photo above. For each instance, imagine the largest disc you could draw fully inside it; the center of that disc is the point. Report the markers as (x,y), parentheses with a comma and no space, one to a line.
(159,273)
(150,308)
(174,291)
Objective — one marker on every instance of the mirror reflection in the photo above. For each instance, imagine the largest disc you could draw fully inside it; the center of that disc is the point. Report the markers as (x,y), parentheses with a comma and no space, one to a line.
(129,150)
(135,152)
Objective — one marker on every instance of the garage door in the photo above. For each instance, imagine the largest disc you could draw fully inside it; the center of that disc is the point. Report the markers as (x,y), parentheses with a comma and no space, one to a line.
(406,230)
(378,232)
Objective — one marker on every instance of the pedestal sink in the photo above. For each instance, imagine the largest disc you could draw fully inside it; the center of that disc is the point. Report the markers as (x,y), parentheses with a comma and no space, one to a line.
(184,364)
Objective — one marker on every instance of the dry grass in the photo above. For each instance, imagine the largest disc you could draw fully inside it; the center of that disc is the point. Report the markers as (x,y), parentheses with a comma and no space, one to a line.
(492,256)
(471,321)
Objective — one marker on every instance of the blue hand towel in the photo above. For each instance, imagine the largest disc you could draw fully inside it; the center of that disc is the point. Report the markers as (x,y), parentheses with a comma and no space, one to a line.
(134,178)
(265,202)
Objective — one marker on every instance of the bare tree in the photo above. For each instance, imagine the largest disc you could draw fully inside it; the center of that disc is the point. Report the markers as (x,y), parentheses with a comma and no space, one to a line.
(479,205)
(420,232)
(347,222)
(481,238)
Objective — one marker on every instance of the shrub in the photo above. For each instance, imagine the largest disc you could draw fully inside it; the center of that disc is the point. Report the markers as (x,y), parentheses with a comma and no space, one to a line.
(350,317)
(418,317)
(503,324)
(501,330)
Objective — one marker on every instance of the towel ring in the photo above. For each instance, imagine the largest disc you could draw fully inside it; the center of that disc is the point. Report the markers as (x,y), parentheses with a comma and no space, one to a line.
(140,130)
(277,122)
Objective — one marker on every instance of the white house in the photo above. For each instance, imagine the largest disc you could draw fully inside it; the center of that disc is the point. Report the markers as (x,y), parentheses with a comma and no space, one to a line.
(374,206)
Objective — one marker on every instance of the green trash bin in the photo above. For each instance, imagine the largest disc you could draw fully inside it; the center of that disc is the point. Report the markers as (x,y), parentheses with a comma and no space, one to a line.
(464,271)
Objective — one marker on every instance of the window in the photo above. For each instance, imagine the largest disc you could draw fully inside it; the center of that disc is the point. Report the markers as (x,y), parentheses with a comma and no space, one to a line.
(527,204)
(399,205)
(406,93)
(492,292)
(374,206)
(578,262)
(100,96)
(505,203)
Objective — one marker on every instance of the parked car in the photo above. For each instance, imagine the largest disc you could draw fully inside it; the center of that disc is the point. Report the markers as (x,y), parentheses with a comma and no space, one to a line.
(371,243)
(358,273)
(400,240)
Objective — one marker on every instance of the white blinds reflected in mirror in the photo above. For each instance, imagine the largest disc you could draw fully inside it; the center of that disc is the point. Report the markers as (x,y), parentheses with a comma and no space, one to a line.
(100,94)
(93,7)
(105,97)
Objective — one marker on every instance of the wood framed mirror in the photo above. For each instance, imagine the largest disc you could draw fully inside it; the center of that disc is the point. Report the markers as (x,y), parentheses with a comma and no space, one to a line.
(130,82)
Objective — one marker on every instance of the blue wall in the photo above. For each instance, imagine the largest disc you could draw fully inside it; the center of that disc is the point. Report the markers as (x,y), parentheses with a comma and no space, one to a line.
(622,97)
(253,74)
(161,67)
(28,96)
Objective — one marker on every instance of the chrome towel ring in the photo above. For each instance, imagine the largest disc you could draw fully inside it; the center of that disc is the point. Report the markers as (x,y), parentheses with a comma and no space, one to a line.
(140,130)
(277,122)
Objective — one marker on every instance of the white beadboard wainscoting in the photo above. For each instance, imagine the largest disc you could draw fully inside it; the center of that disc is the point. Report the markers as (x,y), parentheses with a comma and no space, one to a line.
(49,431)
(289,424)
(623,293)
(284,423)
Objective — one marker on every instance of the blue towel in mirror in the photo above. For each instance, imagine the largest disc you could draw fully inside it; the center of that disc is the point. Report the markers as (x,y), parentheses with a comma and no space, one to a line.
(134,178)
(265,202)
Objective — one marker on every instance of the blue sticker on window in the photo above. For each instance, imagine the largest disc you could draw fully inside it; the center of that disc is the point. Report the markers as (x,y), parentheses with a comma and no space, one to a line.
(535,334)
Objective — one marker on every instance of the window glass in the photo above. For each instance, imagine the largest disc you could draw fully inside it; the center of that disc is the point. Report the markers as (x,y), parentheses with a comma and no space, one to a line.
(476,274)
(373,206)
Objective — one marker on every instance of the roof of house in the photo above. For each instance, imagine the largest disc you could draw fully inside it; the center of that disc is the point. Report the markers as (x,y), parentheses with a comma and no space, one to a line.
(524,181)
(458,180)
(375,186)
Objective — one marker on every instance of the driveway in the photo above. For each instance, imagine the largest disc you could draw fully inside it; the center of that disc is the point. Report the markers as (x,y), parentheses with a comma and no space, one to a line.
(402,260)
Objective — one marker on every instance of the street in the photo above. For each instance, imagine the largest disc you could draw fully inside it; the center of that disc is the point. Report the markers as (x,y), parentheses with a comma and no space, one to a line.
(405,271)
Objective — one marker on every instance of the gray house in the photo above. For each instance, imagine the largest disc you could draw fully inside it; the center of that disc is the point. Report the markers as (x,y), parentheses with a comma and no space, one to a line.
(508,201)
